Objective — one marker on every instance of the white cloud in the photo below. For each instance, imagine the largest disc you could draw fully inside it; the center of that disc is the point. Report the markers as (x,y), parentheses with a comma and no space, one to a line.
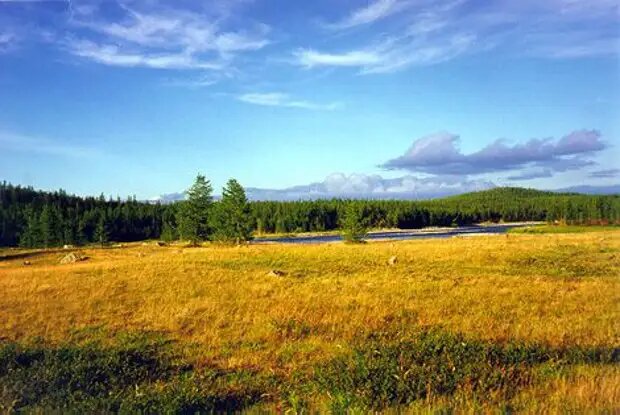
(363,186)
(165,39)
(373,187)
(439,154)
(110,54)
(311,58)
(430,32)
(375,10)
(390,55)
(278,99)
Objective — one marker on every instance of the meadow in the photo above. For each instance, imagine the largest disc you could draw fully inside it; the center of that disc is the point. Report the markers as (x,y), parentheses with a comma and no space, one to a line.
(516,322)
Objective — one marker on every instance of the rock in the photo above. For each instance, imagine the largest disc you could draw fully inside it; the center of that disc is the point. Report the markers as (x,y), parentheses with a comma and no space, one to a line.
(71,258)
(276,273)
(27,263)
(393,260)
(67,247)
(160,243)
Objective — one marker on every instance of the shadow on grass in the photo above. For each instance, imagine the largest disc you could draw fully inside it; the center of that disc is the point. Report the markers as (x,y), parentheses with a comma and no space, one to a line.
(138,375)
(141,373)
(382,372)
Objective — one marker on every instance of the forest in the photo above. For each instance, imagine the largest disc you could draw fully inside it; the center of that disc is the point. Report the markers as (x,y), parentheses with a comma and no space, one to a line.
(33,218)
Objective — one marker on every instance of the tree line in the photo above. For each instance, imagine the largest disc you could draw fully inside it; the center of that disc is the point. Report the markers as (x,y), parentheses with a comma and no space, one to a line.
(32,218)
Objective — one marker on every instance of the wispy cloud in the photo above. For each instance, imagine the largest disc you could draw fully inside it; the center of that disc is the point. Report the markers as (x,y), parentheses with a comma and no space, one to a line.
(278,99)
(375,10)
(390,55)
(110,54)
(7,41)
(162,38)
(605,174)
(431,32)
(439,154)
(28,144)
(530,175)
(310,58)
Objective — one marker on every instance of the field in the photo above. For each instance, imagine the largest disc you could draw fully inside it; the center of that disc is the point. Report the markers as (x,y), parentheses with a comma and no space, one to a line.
(524,322)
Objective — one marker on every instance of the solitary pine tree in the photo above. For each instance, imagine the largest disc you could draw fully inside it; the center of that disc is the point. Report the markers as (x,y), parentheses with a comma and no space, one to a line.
(353,223)
(193,215)
(232,221)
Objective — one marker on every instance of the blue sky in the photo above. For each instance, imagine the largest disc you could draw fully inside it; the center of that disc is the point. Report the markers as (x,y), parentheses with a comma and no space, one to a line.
(378,98)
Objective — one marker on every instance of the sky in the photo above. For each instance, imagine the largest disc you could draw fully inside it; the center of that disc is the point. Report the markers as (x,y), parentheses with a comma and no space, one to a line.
(375,98)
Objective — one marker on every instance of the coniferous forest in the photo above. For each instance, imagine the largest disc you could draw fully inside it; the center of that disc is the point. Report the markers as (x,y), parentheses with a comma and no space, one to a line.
(32,218)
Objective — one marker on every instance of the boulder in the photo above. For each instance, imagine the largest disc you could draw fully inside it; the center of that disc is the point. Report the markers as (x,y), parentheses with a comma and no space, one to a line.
(71,258)
(67,247)
(393,260)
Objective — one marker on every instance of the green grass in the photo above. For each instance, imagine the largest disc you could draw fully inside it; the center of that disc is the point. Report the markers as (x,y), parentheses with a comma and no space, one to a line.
(385,372)
(136,374)
(542,229)
(140,373)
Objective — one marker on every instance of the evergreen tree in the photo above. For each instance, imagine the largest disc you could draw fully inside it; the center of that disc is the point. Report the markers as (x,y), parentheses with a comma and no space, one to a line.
(193,216)
(353,224)
(31,235)
(46,224)
(101,231)
(232,219)
(168,232)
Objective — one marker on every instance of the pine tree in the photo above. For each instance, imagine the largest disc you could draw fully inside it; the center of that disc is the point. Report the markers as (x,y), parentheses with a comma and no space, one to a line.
(168,232)
(232,219)
(101,231)
(193,216)
(47,225)
(31,234)
(353,223)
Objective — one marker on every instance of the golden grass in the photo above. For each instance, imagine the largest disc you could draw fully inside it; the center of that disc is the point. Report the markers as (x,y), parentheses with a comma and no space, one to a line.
(219,301)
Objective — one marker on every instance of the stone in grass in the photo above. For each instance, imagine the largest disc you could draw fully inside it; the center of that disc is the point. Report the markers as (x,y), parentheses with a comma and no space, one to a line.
(393,260)
(276,273)
(26,263)
(72,258)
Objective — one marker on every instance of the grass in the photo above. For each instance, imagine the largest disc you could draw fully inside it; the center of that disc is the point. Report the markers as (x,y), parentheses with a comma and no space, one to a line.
(512,322)
(540,229)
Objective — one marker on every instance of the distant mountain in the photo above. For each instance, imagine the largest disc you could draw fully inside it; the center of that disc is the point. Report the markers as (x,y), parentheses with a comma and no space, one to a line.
(613,189)
(321,191)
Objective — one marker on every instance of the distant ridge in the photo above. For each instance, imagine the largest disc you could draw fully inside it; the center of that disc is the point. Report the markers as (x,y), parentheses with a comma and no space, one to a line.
(613,189)
(259,194)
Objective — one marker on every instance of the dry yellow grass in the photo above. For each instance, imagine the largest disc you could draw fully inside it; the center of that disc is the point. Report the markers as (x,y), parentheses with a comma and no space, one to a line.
(219,301)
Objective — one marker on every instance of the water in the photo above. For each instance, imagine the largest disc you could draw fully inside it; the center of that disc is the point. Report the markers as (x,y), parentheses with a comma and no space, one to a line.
(400,235)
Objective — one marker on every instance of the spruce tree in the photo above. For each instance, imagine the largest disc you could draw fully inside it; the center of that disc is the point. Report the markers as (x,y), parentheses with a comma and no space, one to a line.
(193,216)
(46,226)
(31,237)
(353,223)
(232,219)
(168,232)
(101,231)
